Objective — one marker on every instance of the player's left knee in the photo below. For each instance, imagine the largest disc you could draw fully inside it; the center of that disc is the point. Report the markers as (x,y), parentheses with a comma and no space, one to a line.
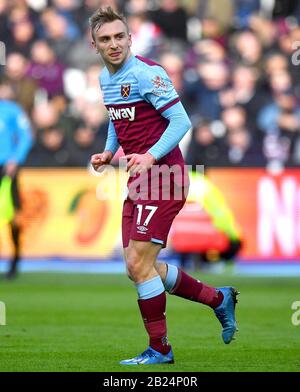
(134,269)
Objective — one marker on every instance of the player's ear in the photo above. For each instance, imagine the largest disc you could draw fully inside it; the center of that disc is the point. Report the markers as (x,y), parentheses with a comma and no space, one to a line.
(94,45)
(130,40)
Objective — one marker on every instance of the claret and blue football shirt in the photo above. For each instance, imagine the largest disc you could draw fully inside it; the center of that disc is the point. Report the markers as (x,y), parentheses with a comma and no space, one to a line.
(141,103)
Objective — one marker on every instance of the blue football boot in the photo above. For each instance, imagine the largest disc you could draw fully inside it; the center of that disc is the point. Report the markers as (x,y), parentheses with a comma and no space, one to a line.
(150,357)
(225,313)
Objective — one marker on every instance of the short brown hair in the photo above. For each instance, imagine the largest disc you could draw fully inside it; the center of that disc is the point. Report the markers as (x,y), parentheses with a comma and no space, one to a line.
(105,15)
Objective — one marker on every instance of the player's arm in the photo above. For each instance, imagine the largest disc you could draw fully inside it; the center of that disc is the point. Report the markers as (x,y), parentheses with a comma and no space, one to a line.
(24,139)
(112,143)
(111,147)
(157,89)
(179,125)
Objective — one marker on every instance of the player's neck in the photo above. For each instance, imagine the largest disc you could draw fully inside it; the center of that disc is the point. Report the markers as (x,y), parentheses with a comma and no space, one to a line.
(112,68)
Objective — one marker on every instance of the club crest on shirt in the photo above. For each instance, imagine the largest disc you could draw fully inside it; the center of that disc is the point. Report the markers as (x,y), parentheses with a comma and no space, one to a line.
(125,90)
(160,86)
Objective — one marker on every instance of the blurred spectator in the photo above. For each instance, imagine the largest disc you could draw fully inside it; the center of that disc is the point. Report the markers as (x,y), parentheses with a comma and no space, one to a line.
(22,35)
(294,58)
(138,6)
(58,32)
(174,66)
(66,120)
(94,118)
(297,12)
(283,115)
(234,118)
(44,115)
(211,29)
(172,19)
(81,54)
(247,49)
(220,11)
(68,9)
(275,62)
(24,87)
(294,156)
(205,50)
(46,69)
(243,147)
(84,144)
(91,93)
(246,92)
(85,10)
(3,20)
(53,113)
(50,149)
(280,82)
(6,91)
(205,149)
(16,141)
(266,31)
(146,36)
(205,92)
(244,9)
(283,8)
(242,151)
(114,4)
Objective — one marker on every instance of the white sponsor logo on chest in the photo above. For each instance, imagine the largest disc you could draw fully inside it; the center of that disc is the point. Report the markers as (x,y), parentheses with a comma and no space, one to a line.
(119,114)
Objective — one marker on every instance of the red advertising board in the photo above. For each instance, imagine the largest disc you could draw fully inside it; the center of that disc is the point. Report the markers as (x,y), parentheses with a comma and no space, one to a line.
(65,216)
(267,207)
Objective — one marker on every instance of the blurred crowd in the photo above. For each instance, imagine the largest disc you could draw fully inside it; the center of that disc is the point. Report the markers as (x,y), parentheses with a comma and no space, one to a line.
(235,64)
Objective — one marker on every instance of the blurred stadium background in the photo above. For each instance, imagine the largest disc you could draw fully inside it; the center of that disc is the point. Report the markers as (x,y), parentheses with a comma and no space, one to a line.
(235,64)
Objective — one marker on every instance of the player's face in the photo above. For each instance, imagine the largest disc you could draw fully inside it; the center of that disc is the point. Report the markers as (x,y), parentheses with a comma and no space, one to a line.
(113,42)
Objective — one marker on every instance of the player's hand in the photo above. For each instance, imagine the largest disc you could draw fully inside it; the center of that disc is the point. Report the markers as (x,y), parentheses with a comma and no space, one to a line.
(139,163)
(10,169)
(98,160)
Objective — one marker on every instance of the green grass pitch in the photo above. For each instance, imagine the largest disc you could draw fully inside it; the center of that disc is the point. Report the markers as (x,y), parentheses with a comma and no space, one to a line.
(71,322)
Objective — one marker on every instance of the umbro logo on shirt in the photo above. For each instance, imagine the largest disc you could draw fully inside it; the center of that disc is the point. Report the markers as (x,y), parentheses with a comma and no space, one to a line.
(142,229)
(119,114)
